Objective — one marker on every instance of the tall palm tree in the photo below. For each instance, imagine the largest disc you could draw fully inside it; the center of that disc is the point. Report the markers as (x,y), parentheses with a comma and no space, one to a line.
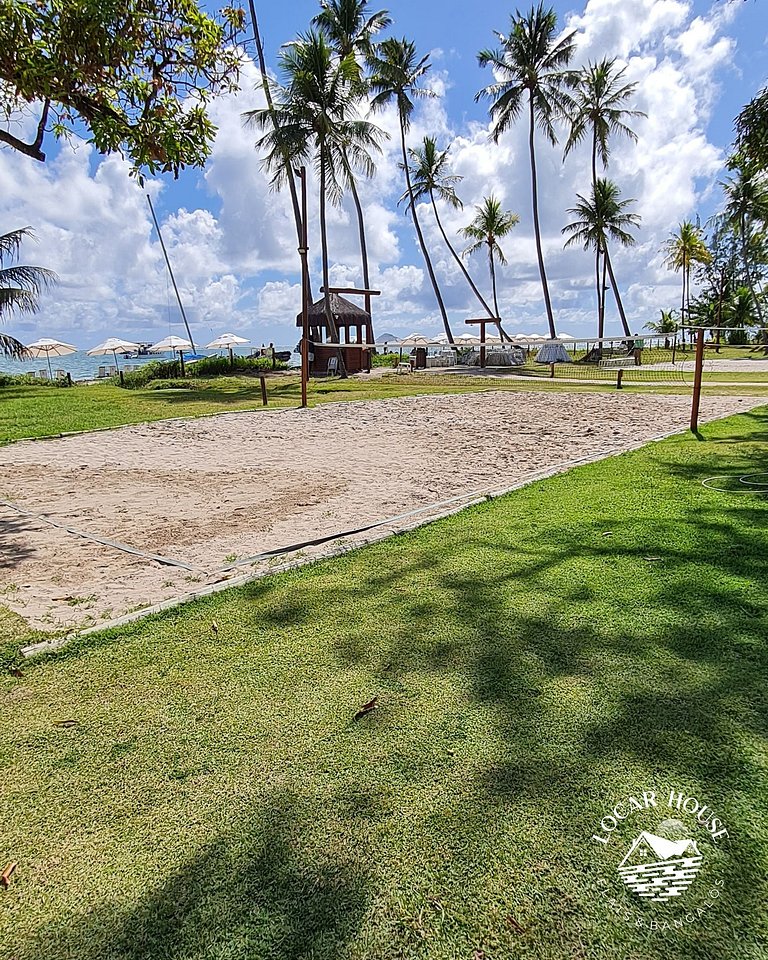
(490,225)
(289,177)
(431,178)
(745,212)
(316,120)
(602,217)
(20,287)
(599,113)
(396,72)
(685,248)
(530,67)
(349,28)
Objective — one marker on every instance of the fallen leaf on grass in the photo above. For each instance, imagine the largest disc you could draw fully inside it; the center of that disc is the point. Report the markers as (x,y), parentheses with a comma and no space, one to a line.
(367,708)
(517,927)
(5,877)
(608,533)
(651,559)
(65,723)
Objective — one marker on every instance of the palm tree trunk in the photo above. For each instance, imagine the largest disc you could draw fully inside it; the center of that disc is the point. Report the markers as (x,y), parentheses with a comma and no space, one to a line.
(333,330)
(271,107)
(616,294)
(536,226)
(467,275)
(603,288)
(363,243)
(420,236)
(493,278)
(748,272)
(600,323)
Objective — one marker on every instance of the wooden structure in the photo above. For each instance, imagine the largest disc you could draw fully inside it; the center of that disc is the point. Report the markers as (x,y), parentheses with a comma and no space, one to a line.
(355,328)
(481,322)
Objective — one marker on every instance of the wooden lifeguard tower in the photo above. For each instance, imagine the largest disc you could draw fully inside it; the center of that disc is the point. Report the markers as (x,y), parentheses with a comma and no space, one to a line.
(355,328)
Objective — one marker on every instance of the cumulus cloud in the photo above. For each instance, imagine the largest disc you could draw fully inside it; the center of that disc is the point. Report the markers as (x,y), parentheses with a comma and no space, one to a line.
(232,239)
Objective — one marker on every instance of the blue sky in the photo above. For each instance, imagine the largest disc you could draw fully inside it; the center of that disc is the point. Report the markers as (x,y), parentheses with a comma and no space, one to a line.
(231,240)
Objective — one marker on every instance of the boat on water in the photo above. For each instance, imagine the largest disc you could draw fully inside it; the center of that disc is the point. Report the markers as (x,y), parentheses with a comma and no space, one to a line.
(143,351)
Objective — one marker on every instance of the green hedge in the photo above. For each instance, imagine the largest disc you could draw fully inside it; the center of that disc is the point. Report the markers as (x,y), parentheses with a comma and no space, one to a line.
(207,367)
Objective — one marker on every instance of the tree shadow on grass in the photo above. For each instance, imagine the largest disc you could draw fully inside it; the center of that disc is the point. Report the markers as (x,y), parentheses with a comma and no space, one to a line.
(253,892)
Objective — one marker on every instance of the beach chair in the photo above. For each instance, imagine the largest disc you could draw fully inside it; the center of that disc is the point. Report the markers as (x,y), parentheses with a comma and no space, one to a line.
(60,374)
(43,374)
(102,373)
(112,371)
(333,365)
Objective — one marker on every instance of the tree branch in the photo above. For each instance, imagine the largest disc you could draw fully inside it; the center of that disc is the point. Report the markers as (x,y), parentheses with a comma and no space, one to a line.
(30,149)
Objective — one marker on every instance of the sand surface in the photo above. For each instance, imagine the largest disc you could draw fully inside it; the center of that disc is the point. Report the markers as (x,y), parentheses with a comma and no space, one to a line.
(209,491)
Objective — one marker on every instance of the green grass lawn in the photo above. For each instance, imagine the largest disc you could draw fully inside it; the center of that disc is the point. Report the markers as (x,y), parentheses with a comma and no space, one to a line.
(45,411)
(214,798)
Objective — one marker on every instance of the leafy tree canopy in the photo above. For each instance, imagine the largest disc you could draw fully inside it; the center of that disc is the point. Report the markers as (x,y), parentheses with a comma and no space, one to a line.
(137,73)
(752,134)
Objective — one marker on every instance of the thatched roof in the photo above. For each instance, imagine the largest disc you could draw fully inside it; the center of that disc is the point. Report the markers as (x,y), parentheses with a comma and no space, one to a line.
(344,312)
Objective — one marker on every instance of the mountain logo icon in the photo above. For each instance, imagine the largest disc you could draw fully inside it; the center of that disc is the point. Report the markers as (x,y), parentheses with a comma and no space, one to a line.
(660,869)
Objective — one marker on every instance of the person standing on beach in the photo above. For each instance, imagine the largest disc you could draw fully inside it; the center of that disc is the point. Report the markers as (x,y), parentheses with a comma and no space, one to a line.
(639,345)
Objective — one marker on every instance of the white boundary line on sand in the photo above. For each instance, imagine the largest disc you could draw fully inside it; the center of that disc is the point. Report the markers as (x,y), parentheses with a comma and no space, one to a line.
(56,643)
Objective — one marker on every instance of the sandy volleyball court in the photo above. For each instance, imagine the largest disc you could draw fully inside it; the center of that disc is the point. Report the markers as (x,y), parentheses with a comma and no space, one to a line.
(210,492)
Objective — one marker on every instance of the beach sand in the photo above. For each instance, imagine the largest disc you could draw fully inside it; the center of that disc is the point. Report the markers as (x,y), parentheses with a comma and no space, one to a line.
(208,490)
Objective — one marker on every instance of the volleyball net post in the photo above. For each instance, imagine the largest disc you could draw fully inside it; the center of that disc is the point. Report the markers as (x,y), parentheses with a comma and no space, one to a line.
(698,371)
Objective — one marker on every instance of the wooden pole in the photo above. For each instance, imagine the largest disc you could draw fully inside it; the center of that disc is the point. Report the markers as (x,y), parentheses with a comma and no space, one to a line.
(482,344)
(697,379)
(303,251)
(263,383)
(619,377)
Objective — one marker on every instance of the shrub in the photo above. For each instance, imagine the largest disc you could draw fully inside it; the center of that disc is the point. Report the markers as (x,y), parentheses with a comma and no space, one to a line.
(384,359)
(207,367)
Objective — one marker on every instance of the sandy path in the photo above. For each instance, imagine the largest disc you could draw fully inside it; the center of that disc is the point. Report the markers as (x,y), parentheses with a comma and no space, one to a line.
(206,491)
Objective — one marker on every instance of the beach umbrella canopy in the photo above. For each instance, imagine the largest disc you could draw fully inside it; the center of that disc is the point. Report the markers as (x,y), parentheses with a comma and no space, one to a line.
(552,352)
(467,340)
(113,345)
(226,341)
(415,340)
(170,344)
(50,348)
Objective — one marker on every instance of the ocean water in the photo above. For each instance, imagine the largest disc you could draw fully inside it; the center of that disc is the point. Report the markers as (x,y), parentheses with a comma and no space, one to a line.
(82,367)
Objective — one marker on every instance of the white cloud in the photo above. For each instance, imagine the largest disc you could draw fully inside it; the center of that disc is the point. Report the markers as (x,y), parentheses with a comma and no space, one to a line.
(233,244)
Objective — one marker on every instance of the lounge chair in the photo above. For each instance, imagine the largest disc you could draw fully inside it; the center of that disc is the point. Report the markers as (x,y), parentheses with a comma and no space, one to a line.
(333,365)
(102,372)
(60,374)
(43,374)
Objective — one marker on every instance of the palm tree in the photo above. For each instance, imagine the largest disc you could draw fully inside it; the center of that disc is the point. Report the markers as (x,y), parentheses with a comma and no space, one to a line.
(665,327)
(602,217)
(20,287)
(349,28)
(747,206)
(396,72)
(530,66)
(430,178)
(683,249)
(489,225)
(599,113)
(315,112)
(286,160)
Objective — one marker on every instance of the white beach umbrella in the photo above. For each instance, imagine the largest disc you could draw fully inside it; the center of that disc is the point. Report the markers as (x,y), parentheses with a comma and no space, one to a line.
(171,345)
(415,340)
(565,336)
(113,345)
(493,339)
(225,342)
(467,340)
(50,348)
